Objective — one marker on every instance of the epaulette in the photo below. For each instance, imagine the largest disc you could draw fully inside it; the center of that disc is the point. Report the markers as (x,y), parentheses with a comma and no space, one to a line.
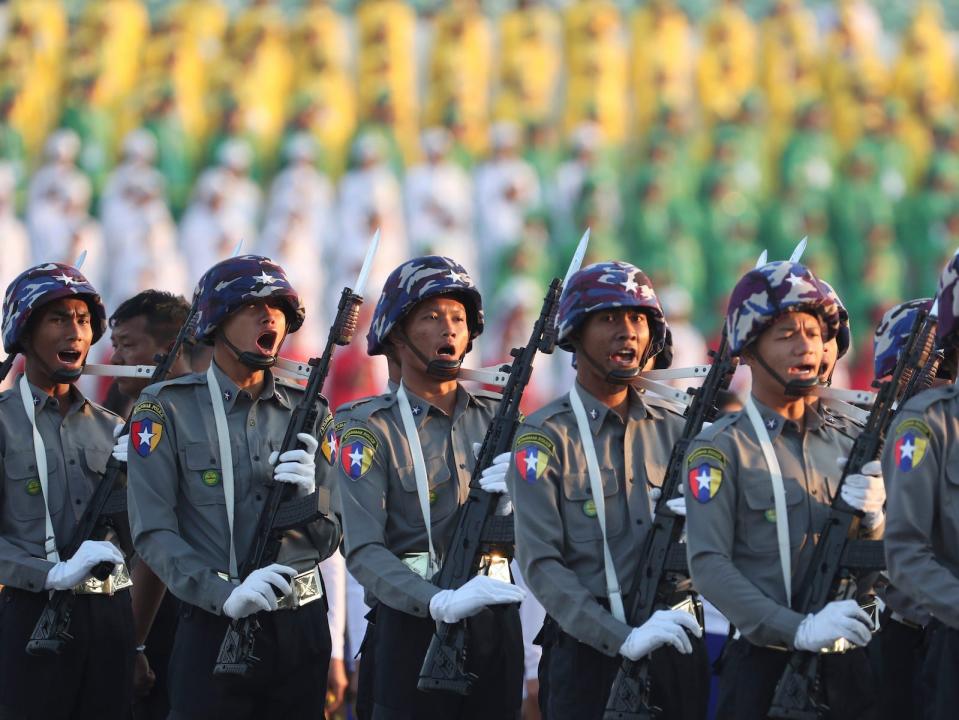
(288,383)
(363,408)
(486,394)
(188,379)
(348,406)
(664,404)
(927,398)
(712,432)
(834,417)
(557,406)
(105,411)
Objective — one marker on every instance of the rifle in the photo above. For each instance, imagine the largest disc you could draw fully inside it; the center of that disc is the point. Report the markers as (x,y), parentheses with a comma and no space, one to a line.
(282,511)
(479,531)
(106,511)
(662,565)
(837,563)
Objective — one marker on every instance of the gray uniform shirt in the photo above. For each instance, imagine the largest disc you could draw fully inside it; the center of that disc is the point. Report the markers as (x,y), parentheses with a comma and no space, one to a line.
(77,448)
(382,520)
(177,506)
(731,518)
(558,538)
(921,464)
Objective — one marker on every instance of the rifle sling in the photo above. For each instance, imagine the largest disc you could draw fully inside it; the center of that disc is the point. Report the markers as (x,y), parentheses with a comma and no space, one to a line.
(226,462)
(40,453)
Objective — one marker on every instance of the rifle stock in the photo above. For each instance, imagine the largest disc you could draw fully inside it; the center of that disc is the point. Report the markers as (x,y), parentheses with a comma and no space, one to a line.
(629,697)
(478,531)
(833,572)
(281,511)
(105,511)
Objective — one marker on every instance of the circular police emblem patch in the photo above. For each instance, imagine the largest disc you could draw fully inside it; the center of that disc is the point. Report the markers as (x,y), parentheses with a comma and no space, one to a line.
(770,515)
(912,441)
(211,478)
(589,508)
(432,497)
(32,487)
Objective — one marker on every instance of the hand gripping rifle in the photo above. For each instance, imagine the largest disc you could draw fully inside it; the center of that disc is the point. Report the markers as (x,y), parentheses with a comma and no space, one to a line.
(662,563)
(282,511)
(106,511)
(479,532)
(840,562)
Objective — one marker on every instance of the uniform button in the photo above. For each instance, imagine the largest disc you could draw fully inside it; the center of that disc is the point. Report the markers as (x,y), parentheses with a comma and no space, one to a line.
(252,423)
(213,460)
(815,491)
(462,466)
(78,501)
(639,521)
(256,457)
(73,462)
(259,497)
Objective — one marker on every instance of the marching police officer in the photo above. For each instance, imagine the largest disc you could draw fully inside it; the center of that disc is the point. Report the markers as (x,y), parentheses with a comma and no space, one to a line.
(406,458)
(54,445)
(759,484)
(142,327)
(202,453)
(586,468)
(922,460)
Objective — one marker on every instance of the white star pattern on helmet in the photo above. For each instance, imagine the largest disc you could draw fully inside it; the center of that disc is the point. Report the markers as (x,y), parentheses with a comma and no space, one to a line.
(631,286)
(265,278)
(455,276)
(65,279)
(645,292)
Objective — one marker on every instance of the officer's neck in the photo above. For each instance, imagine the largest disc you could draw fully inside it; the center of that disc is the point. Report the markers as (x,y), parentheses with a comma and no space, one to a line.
(42,380)
(615,396)
(245,377)
(440,394)
(775,398)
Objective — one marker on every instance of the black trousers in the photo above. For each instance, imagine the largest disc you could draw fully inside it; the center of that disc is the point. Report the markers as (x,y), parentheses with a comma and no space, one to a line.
(940,690)
(156,705)
(748,675)
(575,679)
(294,651)
(902,649)
(91,678)
(399,643)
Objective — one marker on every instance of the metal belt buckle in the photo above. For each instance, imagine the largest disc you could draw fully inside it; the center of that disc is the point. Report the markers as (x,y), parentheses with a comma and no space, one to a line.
(691,604)
(496,567)
(306,589)
(118,580)
(871,607)
(418,563)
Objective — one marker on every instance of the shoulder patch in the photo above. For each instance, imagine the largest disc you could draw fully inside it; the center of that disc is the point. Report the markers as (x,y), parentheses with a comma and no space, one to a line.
(145,435)
(151,407)
(911,444)
(532,452)
(705,467)
(357,447)
(328,441)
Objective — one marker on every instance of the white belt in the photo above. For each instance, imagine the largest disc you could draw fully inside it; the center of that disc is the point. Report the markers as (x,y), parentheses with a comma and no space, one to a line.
(40,453)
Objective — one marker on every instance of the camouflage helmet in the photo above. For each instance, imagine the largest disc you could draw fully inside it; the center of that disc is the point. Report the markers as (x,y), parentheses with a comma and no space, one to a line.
(892,332)
(947,331)
(763,294)
(844,334)
(232,283)
(417,280)
(40,285)
(606,286)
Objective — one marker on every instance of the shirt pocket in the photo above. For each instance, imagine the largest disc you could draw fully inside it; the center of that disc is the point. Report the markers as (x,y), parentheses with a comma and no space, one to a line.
(203,479)
(758,522)
(23,494)
(444,496)
(579,508)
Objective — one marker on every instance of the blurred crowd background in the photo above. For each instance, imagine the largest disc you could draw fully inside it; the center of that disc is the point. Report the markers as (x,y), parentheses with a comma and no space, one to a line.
(689,136)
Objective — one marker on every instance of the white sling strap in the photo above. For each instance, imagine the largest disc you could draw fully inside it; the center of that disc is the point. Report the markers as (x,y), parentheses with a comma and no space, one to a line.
(599,498)
(40,453)
(226,462)
(779,495)
(419,471)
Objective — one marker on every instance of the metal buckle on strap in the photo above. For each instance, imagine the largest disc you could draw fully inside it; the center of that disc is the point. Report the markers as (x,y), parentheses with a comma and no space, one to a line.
(118,580)
(495,566)
(842,645)
(307,588)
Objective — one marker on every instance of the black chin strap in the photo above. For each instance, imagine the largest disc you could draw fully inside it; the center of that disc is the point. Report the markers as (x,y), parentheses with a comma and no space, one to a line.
(439,369)
(254,360)
(792,388)
(613,377)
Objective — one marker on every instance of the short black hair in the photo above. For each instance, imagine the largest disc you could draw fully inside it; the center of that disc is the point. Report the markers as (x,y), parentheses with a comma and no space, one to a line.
(165,313)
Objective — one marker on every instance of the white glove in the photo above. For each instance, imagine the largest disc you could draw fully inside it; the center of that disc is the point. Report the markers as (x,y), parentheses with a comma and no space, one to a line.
(665,627)
(493,479)
(257,591)
(298,467)
(866,491)
(840,619)
(123,442)
(678,504)
(67,574)
(451,606)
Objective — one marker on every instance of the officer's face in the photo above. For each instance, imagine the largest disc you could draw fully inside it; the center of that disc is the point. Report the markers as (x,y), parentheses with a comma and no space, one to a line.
(792,346)
(60,335)
(438,328)
(257,327)
(133,345)
(616,339)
